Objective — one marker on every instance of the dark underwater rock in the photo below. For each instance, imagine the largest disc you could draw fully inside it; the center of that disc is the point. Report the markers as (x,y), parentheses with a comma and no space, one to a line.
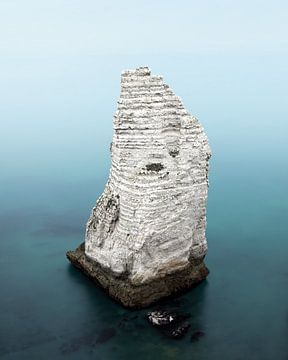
(105,335)
(171,324)
(180,331)
(87,340)
(161,318)
(197,335)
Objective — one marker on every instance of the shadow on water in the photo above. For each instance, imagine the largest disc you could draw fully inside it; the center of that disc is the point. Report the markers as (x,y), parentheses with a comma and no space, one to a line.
(127,331)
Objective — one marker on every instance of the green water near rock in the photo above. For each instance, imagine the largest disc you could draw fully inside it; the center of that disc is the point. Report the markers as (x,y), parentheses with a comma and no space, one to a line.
(56,167)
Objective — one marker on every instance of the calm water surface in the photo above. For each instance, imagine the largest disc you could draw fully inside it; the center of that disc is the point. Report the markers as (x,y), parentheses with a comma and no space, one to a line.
(57,125)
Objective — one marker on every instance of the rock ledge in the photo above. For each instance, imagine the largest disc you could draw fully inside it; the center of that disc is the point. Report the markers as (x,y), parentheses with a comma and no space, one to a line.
(122,290)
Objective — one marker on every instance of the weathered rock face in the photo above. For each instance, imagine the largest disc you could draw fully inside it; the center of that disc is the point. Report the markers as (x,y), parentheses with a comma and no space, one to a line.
(150,221)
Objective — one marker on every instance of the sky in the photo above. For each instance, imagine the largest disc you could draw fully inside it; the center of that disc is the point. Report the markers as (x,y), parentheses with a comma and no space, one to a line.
(60,65)
(72,27)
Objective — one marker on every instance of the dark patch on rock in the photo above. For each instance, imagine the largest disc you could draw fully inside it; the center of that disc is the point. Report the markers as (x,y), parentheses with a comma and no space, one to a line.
(197,335)
(154,167)
(174,153)
(111,203)
(121,289)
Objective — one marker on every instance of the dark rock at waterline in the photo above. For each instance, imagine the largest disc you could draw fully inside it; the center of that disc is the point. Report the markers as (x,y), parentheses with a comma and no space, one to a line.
(171,324)
(128,294)
(161,318)
(179,331)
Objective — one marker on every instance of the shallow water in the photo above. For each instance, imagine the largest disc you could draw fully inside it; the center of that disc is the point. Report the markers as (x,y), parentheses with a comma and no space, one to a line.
(60,129)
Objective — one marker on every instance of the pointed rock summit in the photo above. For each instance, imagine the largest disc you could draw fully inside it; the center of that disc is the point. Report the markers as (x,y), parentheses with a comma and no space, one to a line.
(145,238)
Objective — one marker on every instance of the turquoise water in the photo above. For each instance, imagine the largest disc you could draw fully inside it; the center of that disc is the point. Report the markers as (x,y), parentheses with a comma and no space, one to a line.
(56,128)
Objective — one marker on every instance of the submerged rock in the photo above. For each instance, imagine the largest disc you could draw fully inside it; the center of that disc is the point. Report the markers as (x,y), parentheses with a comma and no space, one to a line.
(180,331)
(160,318)
(145,238)
(197,335)
(172,324)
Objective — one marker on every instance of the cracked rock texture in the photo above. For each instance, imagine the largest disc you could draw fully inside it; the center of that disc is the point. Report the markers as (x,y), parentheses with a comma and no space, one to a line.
(150,221)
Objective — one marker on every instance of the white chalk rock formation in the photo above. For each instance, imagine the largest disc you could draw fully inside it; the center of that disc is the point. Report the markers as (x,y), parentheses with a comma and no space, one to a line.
(150,220)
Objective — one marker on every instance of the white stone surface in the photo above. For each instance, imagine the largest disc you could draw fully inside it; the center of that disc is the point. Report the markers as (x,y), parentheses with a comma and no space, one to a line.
(151,217)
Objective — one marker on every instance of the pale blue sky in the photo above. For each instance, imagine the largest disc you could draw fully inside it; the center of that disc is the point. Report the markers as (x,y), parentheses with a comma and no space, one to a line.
(72,27)
(60,65)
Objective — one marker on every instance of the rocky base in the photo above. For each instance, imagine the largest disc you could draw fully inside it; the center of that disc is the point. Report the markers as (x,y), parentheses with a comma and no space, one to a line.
(121,289)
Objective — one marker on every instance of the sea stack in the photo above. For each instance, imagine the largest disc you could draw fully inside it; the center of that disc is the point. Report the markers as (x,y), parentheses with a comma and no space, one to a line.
(145,238)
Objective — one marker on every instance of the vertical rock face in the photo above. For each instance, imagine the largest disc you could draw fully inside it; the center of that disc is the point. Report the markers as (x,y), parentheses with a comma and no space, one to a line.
(150,221)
